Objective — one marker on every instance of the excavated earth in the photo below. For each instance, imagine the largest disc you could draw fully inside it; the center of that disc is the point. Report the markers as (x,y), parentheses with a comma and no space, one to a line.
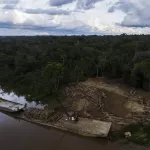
(107,101)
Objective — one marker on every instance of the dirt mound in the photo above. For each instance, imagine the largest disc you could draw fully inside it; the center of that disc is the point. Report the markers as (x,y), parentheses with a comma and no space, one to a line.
(134,107)
(84,98)
(80,104)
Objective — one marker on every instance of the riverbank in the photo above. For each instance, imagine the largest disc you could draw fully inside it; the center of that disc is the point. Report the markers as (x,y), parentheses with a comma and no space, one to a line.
(109,101)
(98,99)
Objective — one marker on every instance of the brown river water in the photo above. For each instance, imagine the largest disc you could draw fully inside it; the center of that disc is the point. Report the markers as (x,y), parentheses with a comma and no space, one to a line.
(20,135)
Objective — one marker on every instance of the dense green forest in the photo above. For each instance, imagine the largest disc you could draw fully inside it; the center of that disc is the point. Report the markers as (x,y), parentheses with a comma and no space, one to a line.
(38,66)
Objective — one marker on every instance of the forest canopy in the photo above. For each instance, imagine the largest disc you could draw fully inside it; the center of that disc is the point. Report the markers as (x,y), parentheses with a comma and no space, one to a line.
(39,65)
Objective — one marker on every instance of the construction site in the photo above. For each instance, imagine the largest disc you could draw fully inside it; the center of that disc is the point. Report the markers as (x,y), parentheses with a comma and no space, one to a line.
(106,101)
(99,99)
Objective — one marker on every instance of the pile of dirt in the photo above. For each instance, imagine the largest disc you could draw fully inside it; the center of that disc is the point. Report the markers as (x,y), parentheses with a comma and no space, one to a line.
(106,102)
(83,99)
(80,104)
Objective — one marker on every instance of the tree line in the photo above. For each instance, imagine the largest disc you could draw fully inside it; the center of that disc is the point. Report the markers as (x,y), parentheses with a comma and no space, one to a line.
(38,66)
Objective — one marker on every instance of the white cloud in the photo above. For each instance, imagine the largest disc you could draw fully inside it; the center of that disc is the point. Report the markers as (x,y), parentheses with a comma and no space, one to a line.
(87,4)
(9,7)
(20,32)
(80,4)
(59,2)
(9,1)
(47,11)
(74,17)
(137,12)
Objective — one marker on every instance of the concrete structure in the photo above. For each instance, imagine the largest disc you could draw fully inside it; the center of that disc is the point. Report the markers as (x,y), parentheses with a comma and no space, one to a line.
(84,127)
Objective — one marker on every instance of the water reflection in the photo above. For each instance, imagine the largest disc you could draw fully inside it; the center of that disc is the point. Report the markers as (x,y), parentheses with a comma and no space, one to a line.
(20,135)
(19,99)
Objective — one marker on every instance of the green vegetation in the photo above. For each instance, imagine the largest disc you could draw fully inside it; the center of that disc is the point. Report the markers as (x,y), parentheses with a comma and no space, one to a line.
(1,100)
(37,66)
(140,134)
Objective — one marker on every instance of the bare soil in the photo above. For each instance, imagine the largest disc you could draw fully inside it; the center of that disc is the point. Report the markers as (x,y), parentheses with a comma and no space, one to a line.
(108,100)
(115,104)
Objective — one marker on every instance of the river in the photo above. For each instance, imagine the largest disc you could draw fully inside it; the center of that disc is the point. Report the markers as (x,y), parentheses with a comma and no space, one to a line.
(20,135)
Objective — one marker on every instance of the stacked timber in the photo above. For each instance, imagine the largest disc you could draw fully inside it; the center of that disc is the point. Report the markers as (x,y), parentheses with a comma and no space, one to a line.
(44,115)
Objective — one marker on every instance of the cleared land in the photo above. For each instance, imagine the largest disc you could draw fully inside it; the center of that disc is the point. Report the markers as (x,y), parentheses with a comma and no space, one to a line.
(108,100)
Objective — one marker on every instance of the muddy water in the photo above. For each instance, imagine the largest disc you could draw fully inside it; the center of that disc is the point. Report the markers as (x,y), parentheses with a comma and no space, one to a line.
(20,135)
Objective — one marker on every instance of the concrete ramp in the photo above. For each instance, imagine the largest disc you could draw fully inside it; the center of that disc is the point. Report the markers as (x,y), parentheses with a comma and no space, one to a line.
(86,127)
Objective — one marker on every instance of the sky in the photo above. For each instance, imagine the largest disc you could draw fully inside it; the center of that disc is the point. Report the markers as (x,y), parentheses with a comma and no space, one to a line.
(74,17)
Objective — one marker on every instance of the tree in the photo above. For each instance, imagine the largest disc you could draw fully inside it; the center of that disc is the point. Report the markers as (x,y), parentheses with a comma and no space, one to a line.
(101,62)
(140,73)
(52,75)
(40,65)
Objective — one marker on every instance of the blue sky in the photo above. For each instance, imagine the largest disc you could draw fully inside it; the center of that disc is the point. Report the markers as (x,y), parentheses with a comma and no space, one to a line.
(74,17)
